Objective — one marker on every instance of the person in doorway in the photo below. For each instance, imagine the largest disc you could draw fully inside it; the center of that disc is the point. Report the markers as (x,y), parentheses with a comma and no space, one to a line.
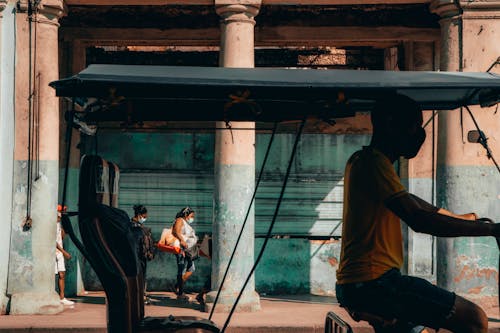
(146,248)
(186,235)
(369,282)
(61,254)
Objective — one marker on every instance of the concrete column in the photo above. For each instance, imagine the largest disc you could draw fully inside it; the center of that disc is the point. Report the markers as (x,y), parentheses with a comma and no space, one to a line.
(31,267)
(7,46)
(467,180)
(75,58)
(234,170)
(419,56)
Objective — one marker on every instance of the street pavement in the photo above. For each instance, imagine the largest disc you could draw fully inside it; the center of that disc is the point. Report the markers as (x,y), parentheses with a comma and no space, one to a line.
(279,314)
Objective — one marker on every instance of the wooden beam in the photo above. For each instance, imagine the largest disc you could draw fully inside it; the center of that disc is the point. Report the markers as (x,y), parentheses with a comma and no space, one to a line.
(134,36)
(328,35)
(264,2)
(264,36)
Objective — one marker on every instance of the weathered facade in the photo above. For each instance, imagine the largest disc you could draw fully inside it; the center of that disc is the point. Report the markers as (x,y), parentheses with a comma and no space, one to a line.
(166,166)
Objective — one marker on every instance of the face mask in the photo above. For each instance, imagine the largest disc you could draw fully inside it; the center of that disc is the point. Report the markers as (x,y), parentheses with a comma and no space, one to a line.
(142,220)
(190,220)
(411,145)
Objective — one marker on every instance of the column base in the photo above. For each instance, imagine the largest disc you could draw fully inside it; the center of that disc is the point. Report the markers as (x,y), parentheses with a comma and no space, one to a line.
(4,301)
(35,303)
(249,302)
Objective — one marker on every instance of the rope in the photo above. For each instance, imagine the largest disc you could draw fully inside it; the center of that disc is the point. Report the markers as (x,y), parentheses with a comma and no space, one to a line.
(264,162)
(280,199)
(241,98)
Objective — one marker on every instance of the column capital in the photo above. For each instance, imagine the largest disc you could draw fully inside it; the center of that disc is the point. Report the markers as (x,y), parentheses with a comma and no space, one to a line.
(50,11)
(481,8)
(237,10)
(53,9)
(445,8)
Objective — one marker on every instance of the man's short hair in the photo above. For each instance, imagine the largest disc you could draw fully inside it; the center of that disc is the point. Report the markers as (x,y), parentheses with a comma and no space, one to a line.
(399,108)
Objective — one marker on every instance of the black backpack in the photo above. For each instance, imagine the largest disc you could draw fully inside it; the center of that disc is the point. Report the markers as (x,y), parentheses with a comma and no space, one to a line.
(148,244)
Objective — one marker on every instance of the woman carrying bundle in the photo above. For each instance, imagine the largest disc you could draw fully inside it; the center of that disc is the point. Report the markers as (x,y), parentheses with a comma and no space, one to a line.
(186,235)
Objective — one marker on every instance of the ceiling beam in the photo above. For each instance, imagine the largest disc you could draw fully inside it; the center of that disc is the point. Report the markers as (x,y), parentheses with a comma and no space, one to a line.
(281,36)
(264,2)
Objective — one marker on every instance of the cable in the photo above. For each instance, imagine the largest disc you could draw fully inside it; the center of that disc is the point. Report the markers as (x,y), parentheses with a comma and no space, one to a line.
(28,222)
(431,119)
(35,93)
(264,162)
(280,199)
(496,62)
(433,184)
(483,140)
(69,132)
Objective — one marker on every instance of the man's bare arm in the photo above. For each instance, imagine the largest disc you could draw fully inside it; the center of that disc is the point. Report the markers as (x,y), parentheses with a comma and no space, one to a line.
(423,217)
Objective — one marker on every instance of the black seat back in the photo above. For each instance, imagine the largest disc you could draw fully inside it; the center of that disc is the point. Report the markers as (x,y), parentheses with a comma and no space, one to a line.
(111,249)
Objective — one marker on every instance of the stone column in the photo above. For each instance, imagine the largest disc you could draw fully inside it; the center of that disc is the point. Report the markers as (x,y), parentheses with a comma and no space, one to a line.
(419,56)
(32,255)
(7,45)
(234,170)
(75,58)
(467,180)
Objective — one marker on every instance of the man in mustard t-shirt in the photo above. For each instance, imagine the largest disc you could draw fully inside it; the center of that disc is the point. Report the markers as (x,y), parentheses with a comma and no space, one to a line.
(369,279)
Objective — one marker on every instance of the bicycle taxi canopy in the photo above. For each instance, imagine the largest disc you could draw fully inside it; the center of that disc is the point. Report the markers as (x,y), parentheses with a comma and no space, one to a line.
(264,94)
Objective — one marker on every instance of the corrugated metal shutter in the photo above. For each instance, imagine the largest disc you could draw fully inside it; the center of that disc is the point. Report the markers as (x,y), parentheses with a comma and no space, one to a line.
(164,194)
(305,209)
(312,204)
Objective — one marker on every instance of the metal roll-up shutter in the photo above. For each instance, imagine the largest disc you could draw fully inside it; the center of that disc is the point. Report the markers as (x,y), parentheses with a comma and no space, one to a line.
(166,193)
(312,204)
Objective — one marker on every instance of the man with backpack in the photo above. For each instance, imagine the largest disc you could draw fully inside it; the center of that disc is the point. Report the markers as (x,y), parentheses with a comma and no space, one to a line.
(146,245)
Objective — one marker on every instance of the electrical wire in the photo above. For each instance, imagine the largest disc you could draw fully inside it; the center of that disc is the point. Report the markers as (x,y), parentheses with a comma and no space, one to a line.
(264,162)
(483,140)
(278,204)
(28,222)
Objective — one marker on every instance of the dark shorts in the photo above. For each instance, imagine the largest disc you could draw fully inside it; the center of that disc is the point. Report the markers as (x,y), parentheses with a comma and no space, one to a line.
(184,264)
(394,296)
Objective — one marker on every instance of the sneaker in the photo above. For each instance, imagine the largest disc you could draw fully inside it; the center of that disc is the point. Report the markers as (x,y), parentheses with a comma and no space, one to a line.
(66,301)
(183,297)
(200,299)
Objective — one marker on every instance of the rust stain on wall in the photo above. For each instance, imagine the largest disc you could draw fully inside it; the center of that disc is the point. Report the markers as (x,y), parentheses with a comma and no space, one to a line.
(471,271)
(324,242)
(476,290)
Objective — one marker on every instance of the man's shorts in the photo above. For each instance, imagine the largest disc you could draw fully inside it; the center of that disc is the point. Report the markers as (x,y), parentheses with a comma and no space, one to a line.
(395,296)
(60,267)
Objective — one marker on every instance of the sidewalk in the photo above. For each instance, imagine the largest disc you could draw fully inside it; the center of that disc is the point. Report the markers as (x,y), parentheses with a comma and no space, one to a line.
(279,314)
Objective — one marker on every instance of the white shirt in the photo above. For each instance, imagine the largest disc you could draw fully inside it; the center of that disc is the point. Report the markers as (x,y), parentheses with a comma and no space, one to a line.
(189,235)
(59,240)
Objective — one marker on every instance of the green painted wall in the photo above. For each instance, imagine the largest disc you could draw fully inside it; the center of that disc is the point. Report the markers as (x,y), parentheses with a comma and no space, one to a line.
(166,171)
(469,265)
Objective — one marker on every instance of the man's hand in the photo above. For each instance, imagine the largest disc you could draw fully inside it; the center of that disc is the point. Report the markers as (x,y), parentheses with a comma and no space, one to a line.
(495,227)
(184,244)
